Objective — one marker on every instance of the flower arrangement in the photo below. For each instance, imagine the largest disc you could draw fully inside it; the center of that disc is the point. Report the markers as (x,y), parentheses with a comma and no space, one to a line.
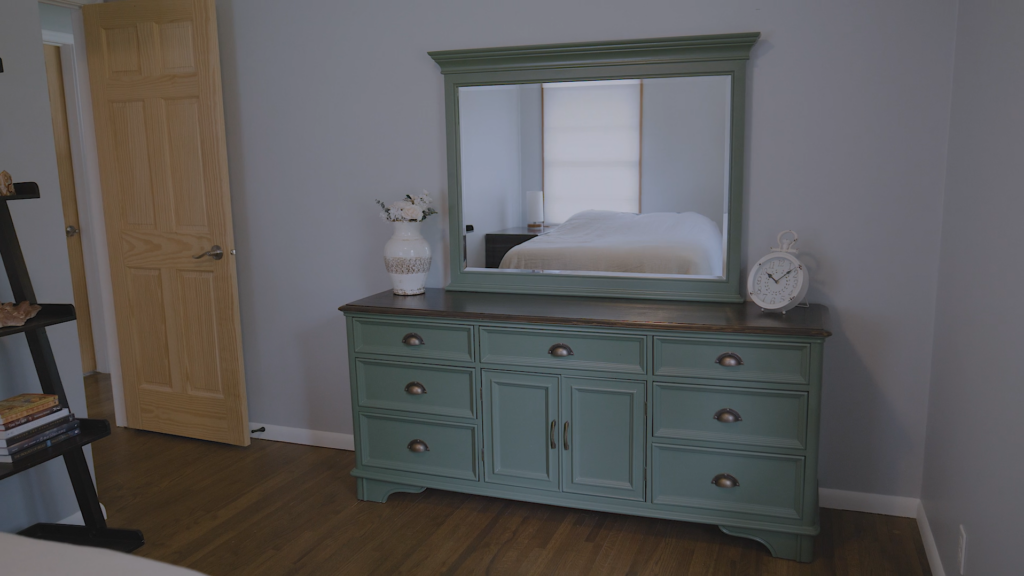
(409,209)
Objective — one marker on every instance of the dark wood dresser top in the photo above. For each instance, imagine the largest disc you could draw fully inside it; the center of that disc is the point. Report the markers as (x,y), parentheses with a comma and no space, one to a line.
(744,318)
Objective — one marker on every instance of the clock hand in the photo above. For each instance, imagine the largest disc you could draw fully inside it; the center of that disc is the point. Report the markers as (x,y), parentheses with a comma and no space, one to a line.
(772,277)
(786,274)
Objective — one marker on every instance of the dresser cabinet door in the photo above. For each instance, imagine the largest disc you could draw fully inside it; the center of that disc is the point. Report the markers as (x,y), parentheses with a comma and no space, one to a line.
(521,432)
(603,437)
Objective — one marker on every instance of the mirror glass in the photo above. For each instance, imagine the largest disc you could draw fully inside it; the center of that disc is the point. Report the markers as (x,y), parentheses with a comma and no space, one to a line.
(615,177)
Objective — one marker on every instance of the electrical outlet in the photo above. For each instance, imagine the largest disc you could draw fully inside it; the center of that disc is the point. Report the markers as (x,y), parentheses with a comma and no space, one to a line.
(961,550)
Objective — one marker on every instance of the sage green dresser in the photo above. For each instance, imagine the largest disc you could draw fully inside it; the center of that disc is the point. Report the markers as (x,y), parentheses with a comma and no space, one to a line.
(701,412)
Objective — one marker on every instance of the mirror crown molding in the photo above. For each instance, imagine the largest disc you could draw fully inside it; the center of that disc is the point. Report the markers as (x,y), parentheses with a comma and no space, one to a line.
(716,47)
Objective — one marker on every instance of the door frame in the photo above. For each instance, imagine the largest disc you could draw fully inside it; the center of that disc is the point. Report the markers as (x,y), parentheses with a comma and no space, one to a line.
(85,163)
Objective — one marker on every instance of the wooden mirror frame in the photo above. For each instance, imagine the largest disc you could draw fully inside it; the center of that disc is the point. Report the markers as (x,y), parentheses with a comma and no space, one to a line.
(718,55)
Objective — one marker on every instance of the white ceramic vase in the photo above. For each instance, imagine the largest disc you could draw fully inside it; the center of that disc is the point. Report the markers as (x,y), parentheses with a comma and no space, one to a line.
(407,259)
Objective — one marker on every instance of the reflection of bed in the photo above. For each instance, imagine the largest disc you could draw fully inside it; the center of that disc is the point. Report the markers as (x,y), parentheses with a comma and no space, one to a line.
(602,241)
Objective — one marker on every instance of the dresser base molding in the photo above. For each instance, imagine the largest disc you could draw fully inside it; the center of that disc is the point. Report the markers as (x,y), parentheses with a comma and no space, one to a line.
(379,490)
(797,547)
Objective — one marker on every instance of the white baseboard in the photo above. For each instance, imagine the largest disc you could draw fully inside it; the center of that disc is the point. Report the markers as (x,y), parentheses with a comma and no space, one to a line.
(319,438)
(890,506)
(930,549)
(872,503)
(76,518)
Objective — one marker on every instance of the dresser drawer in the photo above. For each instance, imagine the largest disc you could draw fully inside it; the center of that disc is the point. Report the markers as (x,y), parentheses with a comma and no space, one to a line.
(445,391)
(563,349)
(421,446)
(412,338)
(765,484)
(777,362)
(772,418)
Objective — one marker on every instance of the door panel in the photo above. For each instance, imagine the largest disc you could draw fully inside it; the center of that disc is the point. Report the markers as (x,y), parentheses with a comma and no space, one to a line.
(69,202)
(606,437)
(520,448)
(155,75)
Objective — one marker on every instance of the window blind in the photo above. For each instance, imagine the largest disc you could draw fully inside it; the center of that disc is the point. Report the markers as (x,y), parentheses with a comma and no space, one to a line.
(591,147)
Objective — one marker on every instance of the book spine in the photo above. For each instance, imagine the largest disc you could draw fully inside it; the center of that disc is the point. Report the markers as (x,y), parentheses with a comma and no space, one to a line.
(11,442)
(12,415)
(39,447)
(39,439)
(29,418)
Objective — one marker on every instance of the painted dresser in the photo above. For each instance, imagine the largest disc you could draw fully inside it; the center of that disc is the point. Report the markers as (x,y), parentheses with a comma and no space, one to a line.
(687,411)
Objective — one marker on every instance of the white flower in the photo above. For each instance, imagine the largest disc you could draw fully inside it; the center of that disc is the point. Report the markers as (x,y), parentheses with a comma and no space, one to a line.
(412,213)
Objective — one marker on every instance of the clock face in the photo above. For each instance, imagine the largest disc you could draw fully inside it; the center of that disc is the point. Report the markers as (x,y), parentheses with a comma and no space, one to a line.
(777,282)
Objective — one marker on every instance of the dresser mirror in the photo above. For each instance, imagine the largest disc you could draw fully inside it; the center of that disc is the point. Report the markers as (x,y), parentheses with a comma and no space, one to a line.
(606,169)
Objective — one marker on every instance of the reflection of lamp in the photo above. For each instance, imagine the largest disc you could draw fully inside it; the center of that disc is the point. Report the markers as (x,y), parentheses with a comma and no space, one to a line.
(535,209)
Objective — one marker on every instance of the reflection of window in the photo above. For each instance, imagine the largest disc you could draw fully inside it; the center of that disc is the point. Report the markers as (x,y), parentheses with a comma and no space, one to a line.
(591,147)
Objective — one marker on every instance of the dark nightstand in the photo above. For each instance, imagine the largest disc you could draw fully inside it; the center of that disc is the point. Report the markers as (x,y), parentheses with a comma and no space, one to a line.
(497,244)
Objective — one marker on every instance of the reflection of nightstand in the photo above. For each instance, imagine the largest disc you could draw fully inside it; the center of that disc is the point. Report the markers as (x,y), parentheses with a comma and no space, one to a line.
(497,244)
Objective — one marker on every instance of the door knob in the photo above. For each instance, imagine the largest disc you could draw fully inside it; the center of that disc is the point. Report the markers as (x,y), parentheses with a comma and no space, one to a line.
(71,231)
(215,252)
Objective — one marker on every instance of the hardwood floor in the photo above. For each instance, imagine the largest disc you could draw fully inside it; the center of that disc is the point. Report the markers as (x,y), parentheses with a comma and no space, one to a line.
(276,508)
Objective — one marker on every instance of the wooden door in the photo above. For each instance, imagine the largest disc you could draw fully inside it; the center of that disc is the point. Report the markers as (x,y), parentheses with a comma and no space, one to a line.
(521,429)
(155,73)
(606,436)
(69,200)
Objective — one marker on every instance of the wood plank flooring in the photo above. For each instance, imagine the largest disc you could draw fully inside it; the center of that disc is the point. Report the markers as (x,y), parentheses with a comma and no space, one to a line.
(276,508)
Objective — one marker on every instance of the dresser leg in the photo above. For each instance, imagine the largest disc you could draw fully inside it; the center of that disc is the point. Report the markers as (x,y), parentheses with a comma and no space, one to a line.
(797,547)
(379,490)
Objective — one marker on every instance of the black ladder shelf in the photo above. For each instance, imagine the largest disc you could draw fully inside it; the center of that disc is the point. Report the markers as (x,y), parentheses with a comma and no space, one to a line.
(95,531)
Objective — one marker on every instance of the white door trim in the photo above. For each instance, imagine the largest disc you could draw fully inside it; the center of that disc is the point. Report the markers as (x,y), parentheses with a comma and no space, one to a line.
(85,163)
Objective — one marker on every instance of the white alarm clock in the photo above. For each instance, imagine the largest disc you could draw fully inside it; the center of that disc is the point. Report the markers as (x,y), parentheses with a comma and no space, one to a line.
(779,281)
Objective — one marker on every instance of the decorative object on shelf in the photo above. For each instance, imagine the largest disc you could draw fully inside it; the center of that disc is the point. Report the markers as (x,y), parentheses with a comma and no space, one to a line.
(6,184)
(779,281)
(407,253)
(535,209)
(12,314)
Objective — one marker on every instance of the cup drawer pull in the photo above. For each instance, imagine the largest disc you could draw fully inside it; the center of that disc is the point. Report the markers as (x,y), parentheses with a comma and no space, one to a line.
(418,446)
(729,359)
(412,339)
(725,481)
(415,388)
(727,416)
(560,350)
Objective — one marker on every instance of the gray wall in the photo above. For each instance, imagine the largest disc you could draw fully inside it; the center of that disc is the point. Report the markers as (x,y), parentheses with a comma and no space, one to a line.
(489,125)
(973,459)
(684,163)
(42,494)
(330,105)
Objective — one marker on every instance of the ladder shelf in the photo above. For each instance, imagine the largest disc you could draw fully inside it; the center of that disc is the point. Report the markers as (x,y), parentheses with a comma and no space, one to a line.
(95,531)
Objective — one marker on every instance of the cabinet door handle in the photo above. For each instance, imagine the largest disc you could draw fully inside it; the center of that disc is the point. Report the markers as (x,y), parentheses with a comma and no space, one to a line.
(727,416)
(415,388)
(560,350)
(412,339)
(418,446)
(725,481)
(565,436)
(729,359)
(554,432)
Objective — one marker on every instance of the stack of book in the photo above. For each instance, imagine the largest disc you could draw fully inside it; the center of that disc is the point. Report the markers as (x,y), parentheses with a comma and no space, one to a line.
(30,423)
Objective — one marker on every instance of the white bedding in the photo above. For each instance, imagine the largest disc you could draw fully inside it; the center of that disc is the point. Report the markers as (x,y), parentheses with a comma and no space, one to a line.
(603,241)
(26,556)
